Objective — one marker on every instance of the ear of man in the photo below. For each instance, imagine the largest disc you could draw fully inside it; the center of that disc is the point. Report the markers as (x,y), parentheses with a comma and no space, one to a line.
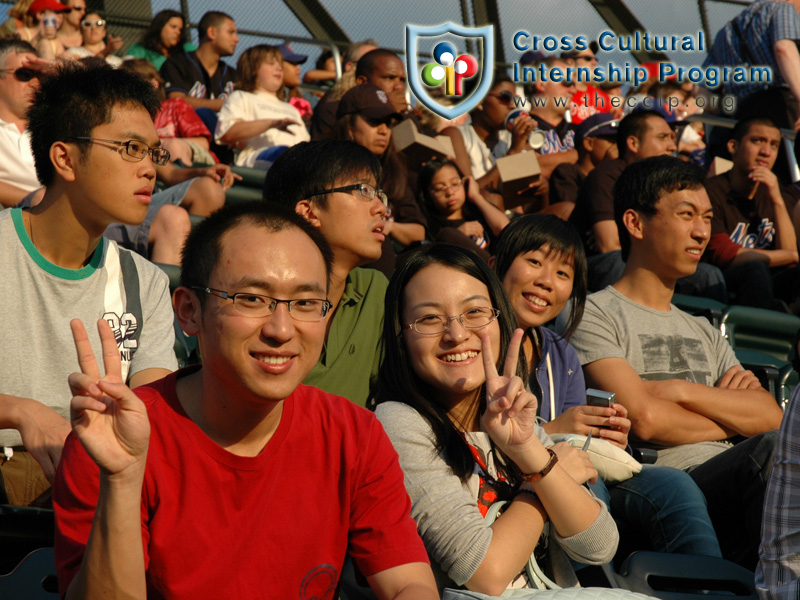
(633,222)
(632,144)
(64,157)
(309,211)
(188,310)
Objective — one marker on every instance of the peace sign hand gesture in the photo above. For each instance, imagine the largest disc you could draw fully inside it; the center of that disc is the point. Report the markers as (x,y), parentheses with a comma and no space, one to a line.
(107,417)
(510,410)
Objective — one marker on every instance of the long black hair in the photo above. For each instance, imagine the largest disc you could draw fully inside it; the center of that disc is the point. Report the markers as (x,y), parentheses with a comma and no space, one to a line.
(151,38)
(397,380)
(528,233)
(436,220)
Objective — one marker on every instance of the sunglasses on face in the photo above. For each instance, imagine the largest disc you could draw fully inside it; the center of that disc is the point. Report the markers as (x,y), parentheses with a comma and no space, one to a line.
(98,23)
(22,74)
(504,97)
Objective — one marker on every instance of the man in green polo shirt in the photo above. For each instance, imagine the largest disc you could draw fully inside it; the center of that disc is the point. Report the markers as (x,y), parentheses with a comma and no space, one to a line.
(333,185)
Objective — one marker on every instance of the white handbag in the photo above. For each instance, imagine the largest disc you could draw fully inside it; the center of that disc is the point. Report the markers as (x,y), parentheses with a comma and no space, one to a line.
(613,464)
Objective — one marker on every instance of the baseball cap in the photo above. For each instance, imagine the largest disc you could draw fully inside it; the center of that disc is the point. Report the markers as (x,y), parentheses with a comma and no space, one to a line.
(40,5)
(598,125)
(290,56)
(367,100)
(593,46)
(531,56)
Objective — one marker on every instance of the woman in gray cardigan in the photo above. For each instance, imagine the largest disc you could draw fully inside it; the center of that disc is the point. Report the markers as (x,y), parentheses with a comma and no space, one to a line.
(467,435)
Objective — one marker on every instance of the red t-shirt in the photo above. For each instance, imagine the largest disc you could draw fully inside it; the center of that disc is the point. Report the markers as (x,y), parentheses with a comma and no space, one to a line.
(277,525)
(177,119)
(588,103)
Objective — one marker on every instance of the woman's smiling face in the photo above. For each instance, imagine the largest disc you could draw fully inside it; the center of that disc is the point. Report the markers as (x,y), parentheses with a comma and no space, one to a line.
(539,283)
(451,362)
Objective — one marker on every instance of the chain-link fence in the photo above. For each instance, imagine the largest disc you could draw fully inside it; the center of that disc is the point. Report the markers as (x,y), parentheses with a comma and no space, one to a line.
(312,25)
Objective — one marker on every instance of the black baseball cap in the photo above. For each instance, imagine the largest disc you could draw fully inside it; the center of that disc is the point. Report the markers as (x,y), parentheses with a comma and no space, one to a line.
(367,100)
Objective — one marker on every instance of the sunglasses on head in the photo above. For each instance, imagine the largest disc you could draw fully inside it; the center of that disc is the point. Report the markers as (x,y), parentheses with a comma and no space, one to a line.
(98,23)
(22,74)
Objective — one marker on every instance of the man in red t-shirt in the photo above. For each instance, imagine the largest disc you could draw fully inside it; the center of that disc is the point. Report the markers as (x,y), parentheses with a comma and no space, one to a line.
(231,479)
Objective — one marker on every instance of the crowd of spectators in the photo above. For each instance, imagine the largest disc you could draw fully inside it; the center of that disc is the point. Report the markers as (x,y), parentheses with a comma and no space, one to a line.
(439,331)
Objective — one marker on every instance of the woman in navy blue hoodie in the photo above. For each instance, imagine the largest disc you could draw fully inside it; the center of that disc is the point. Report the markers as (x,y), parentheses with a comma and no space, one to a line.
(541,262)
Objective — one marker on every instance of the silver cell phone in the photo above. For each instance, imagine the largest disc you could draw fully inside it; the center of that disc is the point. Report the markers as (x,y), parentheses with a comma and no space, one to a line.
(600,398)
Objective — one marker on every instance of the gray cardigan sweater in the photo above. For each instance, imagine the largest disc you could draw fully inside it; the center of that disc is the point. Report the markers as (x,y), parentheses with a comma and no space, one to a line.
(447,515)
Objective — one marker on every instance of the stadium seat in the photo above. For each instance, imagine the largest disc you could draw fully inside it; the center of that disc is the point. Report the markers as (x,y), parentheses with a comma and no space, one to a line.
(33,579)
(22,530)
(701,307)
(678,576)
(760,330)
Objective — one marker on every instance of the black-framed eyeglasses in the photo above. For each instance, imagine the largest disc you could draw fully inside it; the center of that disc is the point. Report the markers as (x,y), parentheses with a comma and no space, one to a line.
(504,97)
(259,305)
(474,318)
(22,74)
(365,189)
(89,24)
(135,149)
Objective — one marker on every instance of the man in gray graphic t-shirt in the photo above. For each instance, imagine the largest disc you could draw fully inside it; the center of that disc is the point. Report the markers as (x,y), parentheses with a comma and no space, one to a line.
(685,392)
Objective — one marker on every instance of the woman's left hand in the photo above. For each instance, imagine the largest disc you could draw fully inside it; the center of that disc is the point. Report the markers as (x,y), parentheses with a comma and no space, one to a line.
(510,410)
(113,44)
(473,190)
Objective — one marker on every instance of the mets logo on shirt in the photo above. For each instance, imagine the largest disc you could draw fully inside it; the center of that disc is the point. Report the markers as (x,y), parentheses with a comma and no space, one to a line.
(449,69)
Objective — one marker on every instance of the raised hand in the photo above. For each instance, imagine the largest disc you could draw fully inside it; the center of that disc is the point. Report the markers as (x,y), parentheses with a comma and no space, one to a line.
(520,131)
(510,410)
(107,417)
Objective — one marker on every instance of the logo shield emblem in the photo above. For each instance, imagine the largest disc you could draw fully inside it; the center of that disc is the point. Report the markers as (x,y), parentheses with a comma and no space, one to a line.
(486,34)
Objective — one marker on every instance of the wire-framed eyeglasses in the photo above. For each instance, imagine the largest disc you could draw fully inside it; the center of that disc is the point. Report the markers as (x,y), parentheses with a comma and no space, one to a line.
(365,189)
(474,318)
(136,149)
(259,305)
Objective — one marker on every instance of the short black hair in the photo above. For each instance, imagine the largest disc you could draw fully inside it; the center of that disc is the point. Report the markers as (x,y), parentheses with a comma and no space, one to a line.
(71,103)
(634,124)
(644,182)
(203,247)
(212,18)
(742,127)
(308,168)
(366,64)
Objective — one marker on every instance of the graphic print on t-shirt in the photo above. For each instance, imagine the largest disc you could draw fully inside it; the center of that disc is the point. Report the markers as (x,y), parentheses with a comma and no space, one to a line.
(124,328)
(761,239)
(669,357)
